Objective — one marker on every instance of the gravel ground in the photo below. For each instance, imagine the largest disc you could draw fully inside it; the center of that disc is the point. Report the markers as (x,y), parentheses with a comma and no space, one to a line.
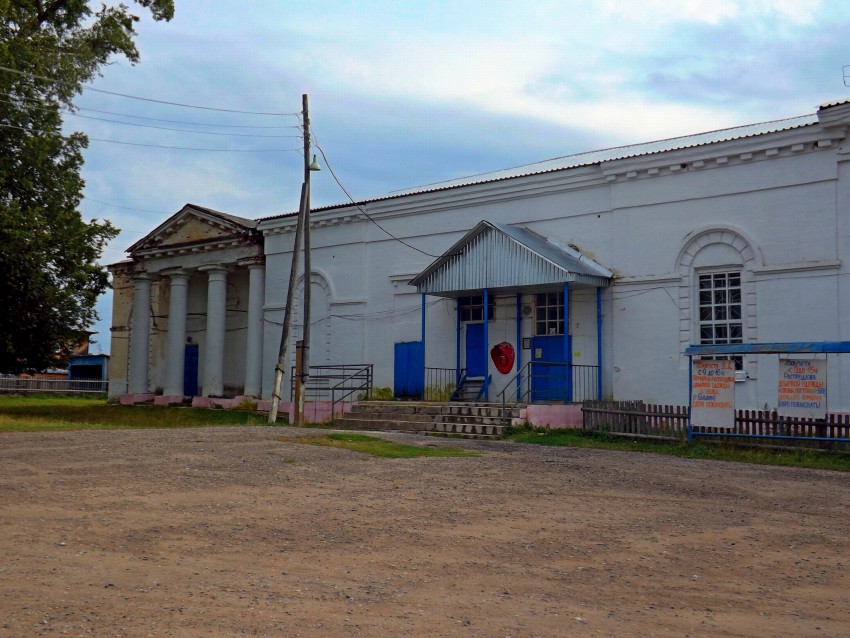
(240,531)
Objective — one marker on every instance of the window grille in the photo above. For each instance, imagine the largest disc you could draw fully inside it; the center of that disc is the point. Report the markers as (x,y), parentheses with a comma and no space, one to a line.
(472,308)
(549,317)
(720,311)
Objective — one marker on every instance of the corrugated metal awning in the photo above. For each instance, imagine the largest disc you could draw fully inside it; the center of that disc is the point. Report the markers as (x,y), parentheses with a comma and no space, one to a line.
(507,258)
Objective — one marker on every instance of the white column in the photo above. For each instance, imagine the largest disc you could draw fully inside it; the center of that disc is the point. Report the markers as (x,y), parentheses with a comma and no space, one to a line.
(140,336)
(254,345)
(213,380)
(176,342)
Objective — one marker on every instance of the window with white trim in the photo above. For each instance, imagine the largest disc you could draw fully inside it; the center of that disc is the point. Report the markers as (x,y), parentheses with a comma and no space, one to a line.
(720,316)
(549,317)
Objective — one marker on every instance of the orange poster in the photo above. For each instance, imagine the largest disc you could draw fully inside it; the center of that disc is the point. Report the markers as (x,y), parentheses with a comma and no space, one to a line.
(713,394)
(802,388)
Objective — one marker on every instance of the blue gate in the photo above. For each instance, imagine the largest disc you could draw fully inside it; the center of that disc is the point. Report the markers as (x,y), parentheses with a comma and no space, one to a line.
(409,370)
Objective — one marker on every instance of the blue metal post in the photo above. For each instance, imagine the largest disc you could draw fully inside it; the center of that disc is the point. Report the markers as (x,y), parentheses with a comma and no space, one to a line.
(457,343)
(690,396)
(518,345)
(568,351)
(486,346)
(598,343)
(423,346)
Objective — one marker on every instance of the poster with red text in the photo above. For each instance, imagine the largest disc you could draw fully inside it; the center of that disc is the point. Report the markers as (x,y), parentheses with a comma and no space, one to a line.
(802,388)
(713,394)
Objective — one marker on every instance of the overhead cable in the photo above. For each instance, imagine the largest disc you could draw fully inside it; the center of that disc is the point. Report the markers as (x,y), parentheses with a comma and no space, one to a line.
(147,99)
(360,208)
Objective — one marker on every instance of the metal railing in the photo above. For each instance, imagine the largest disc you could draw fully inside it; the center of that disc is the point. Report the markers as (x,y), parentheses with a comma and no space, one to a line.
(551,382)
(336,383)
(440,383)
(41,385)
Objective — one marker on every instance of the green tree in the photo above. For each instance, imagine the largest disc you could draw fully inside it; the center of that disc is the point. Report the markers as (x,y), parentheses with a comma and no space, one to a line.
(49,273)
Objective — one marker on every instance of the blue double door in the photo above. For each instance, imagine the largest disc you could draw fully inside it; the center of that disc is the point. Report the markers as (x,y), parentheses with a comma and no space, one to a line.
(551,377)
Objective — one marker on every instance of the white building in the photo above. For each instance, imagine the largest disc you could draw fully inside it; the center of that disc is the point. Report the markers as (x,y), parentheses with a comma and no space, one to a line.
(739,235)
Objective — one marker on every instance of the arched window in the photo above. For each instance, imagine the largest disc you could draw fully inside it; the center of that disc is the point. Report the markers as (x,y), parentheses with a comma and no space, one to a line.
(717,299)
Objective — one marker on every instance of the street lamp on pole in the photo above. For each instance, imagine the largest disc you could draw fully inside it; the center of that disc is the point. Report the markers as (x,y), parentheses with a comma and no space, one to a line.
(302,228)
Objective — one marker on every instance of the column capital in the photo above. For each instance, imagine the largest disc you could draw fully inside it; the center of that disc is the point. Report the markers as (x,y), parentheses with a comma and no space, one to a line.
(255,261)
(210,268)
(175,273)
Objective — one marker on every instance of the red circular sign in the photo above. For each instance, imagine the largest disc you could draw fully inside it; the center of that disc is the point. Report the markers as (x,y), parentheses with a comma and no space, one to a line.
(503,357)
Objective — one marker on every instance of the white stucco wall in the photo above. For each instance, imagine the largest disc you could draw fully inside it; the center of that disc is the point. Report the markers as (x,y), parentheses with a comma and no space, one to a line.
(788,209)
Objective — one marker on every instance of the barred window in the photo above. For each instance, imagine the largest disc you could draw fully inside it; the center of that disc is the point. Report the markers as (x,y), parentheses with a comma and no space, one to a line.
(549,319)
(720,311)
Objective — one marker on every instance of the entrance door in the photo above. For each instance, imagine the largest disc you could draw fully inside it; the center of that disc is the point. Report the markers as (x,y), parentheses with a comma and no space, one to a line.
(190,370)
(550,379)
(476,350)
(409,371)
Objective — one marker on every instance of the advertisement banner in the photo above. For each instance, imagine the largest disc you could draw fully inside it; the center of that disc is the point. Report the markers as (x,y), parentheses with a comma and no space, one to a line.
(713,394)
(802,388)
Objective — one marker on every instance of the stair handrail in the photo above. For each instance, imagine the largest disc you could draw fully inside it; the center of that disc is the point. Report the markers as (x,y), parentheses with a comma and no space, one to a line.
(511,384)
(367,368)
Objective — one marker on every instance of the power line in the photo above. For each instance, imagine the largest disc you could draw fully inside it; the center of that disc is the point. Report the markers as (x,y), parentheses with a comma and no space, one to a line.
(193,148)
(40,104)
(360,208)
(180,130)
(141,210)
(147,99)
(178,148)
(157,119)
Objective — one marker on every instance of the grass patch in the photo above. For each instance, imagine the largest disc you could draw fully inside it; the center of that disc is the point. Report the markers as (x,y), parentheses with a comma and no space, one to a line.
(700,450)
(376,446)
(36,414)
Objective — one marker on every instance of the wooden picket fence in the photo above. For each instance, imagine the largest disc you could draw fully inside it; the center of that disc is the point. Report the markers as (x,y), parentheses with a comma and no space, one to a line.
(670,422)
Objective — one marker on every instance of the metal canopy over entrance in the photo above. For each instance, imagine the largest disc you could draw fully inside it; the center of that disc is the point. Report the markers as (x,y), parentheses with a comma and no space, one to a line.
(498,260)
(505,258)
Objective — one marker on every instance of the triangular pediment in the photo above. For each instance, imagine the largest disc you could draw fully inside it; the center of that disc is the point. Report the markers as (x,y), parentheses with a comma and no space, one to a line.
(195,225)
(502,257)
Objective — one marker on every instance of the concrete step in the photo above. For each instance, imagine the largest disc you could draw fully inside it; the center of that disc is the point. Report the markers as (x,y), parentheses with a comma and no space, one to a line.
(483,420)
(346,423)
(462,435)
(392,416)
(369,407)
(465,428)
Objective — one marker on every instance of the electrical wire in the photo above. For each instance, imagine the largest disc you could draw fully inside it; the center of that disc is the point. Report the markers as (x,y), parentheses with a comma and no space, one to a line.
(39,104)
(192,148)
(360,208)
(140,210)
(147,99)
(176,148)
(180,130)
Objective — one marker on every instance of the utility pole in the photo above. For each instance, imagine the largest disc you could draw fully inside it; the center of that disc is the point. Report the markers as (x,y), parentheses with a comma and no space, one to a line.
(303,221)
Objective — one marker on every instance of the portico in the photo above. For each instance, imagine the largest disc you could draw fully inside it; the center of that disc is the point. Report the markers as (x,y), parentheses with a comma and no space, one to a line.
(199,284)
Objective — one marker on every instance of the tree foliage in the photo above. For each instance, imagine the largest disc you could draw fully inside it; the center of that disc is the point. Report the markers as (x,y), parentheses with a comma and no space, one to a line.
(49,275)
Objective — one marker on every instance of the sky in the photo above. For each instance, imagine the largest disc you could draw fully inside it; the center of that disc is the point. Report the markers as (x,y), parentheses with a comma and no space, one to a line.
(405,93)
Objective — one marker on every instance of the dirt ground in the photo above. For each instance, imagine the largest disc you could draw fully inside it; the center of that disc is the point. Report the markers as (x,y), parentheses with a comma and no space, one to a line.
(238,531)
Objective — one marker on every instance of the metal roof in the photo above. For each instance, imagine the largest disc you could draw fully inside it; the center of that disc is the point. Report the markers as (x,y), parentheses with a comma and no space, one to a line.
(620,152)
(507,258)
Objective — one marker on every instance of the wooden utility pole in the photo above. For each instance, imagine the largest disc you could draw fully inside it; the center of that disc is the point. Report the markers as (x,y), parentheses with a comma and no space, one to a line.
(303,219)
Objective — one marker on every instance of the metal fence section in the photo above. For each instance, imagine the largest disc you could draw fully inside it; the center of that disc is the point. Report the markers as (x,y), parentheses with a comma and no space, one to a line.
(336,383)
(41,385)
(440,383)
(551,382)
